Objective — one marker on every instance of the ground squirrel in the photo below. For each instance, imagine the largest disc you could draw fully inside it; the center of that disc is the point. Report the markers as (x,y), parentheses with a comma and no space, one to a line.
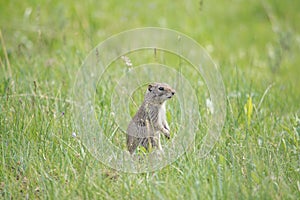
(150,118)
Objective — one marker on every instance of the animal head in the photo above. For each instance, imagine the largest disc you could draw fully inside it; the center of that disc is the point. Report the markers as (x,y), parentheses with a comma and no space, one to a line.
(159,92)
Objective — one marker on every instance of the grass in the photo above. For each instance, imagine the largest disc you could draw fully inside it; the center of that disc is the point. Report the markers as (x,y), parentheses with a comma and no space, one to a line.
(256,45)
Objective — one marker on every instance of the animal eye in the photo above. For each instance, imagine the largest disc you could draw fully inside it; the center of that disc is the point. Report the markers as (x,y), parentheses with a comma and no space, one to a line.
(161,88)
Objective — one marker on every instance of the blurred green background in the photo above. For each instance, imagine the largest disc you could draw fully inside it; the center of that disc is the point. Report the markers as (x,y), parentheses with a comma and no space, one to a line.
(256,45)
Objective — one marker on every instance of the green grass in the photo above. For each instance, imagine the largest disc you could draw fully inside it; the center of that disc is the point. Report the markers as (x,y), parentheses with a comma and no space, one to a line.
(256,45)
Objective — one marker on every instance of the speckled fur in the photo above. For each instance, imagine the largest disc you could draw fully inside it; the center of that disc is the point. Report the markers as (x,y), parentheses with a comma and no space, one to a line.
(150,119)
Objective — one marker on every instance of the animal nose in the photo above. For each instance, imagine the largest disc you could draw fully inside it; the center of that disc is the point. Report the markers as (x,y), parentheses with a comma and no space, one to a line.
(173,93)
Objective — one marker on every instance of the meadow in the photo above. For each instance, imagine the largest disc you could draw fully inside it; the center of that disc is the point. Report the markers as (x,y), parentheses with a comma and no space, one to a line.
(256,46)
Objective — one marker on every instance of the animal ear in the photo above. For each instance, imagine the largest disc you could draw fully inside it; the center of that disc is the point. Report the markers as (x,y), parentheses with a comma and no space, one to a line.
(150,87)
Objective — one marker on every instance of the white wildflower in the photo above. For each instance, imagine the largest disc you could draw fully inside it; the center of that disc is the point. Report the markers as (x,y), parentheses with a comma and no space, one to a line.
(210,106)
(127,61)
(74,134)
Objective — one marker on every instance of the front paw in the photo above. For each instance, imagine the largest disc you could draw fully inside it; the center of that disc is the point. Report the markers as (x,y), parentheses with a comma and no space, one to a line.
(168,136)
(166,127)
(167,133)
